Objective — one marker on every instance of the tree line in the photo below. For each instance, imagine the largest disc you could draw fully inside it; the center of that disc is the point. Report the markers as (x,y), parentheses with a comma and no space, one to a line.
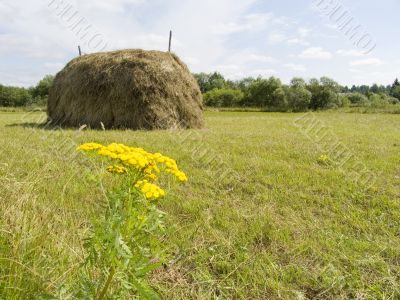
(11,96)
(299,95)
(265,93)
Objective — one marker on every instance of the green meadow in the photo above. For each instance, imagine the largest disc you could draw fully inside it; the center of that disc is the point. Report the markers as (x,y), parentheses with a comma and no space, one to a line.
(261,217)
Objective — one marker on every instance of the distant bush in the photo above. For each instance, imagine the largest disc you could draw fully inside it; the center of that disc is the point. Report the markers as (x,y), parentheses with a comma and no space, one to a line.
(344,100)
(14,96)
(223,98)
(18,96)
(358,99)
(269,94)
(391,100)
(382,100)
(298,99)
(262,93)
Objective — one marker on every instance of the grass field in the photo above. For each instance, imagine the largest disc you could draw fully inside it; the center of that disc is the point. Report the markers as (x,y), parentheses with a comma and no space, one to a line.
(280,225)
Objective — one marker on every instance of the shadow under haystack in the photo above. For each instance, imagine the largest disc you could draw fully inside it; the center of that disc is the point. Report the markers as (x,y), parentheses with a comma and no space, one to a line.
(133,89)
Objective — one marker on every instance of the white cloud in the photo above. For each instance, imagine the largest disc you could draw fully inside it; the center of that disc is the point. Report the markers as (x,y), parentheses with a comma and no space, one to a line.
(258,58)
(300,39)
(258,20)
(249,22)
(384,77)
(350,53)
(367,62)
(5,9)
(297,41)
(34,33)
(54,66)
(33,41)
(20,77)
(148,42)
(238,72)
(228,68)
(276,37)
(304,31)
(228,28)
(249,58)
(193,61)
(331,26)
(295,67)
(28,46)
(110,6)
(315,53)
(263,72)
(246,57)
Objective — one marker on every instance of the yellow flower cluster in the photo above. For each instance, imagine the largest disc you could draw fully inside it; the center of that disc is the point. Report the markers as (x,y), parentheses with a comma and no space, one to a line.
(90,146)
(149,190)
(116,169)
(148,164)
(171,166)
(137,158)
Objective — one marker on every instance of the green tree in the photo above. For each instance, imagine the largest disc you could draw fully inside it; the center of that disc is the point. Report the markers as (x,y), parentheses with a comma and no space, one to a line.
(377,101)
(245,82)
(41,90)
(358,99)
(325,93)
(208,82)
(14,96)
(344,100)
(396,92)
(216,81)
(203,81)
(395,83)
(260,93)
(299,98)
(298,82)
(279,100)
(223,98)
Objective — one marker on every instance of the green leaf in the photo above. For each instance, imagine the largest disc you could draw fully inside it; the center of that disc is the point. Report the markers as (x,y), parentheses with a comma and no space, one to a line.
(144,290)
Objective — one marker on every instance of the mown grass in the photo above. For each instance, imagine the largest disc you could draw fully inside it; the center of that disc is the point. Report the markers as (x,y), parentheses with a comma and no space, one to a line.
(279,226)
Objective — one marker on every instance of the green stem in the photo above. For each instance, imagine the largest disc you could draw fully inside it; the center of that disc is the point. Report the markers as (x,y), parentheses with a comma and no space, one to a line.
(103,292)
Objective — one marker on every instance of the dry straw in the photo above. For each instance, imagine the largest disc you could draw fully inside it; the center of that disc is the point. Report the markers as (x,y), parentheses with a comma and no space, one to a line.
(133,89)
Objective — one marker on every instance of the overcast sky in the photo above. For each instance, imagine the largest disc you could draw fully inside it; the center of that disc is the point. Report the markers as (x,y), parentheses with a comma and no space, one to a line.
(351,41)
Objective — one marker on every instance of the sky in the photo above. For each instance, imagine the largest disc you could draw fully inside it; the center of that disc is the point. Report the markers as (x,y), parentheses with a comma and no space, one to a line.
(353,42)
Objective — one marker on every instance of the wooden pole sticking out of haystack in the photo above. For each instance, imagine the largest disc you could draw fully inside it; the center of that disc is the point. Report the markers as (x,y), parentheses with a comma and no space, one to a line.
(170,41)
(80,51)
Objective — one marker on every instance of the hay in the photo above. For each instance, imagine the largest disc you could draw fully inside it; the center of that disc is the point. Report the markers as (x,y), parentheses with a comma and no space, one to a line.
(133,89)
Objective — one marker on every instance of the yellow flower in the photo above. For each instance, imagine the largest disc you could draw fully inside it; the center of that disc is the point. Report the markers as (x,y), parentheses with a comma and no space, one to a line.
(149,190)
(150,177)
(89,147)
(146,188)
(104,152)
(128,158)
(323,159)
(116,169)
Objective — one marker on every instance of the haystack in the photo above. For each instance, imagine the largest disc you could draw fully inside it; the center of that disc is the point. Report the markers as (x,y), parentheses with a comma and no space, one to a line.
(133,89)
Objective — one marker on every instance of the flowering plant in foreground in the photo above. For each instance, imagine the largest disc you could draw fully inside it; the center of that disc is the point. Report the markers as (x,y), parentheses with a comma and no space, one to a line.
(125,243)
